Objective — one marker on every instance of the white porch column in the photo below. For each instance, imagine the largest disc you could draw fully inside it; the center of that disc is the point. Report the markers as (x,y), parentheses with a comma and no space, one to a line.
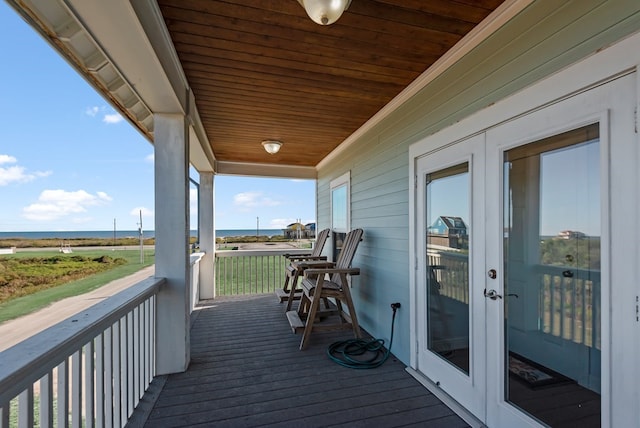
(172,242)
(206,226)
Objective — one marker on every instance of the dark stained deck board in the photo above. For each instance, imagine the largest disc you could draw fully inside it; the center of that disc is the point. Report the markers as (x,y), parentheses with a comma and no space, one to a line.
(246,370)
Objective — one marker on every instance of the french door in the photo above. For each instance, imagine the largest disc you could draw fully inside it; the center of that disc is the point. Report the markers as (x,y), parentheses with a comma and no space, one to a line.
(520,234)
(451,321)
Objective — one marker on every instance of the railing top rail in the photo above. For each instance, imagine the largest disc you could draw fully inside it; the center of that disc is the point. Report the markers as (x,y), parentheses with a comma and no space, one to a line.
(274,252)
(31,359)
(577,273)
(196,257)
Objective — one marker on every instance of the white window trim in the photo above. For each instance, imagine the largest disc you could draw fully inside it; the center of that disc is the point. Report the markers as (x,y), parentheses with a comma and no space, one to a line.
(343,180)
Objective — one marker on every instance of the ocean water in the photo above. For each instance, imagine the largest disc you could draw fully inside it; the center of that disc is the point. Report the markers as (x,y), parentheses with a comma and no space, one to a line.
(108,234)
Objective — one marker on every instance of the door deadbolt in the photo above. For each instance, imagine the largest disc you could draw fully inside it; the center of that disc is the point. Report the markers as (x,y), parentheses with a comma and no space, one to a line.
(492,274)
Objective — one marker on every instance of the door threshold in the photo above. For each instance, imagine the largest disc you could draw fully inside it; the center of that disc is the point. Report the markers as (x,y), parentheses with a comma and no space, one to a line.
(456,407)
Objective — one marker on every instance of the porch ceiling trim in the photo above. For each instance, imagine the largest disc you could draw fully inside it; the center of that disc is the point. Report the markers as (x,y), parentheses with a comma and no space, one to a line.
(266,170)
(499,17)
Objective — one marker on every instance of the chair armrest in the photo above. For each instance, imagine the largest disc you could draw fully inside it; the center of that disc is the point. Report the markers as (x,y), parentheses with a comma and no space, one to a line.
(319,271)
(314,264)
(295,258)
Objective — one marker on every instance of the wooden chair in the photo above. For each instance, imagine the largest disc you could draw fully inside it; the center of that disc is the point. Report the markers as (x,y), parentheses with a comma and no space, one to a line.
(315,287)
(297,264)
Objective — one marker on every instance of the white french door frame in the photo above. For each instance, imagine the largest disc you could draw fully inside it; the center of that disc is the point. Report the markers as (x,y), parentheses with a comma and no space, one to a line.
(621,200)
(469,389)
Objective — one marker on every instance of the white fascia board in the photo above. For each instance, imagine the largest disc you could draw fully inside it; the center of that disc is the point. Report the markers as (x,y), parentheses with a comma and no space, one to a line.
(115,27)
(266,170)
(499,17)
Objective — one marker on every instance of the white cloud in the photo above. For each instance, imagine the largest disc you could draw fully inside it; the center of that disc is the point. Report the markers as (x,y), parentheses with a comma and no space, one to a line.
(112,118)
(55,204)
(17,173)
(146,212)
(103,196)
(92,111)
(150,158)
(248,200)
(109,116)
(7,159)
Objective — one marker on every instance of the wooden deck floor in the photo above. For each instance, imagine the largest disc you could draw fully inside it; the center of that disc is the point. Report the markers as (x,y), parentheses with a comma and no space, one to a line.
(246,371)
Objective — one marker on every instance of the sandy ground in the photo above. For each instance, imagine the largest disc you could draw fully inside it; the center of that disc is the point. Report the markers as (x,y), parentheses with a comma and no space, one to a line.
(15,331)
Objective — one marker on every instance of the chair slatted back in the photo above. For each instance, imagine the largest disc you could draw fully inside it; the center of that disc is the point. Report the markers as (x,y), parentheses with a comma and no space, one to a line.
(320,241)
(348,251)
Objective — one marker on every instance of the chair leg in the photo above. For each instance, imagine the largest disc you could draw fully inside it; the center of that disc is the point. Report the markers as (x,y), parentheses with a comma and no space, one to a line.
(311,317)
(303,307)
(352,310)
(292,291)
(285,287)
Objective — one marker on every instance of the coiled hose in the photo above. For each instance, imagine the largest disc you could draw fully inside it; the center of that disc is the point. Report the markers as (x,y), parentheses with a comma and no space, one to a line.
(362,354)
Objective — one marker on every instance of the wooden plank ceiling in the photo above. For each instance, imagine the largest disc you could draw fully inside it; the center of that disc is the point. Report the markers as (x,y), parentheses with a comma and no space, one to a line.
(261,69)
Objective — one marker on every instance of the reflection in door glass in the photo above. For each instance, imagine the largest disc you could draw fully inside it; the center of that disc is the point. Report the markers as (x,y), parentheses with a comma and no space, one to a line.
(552,278)
(448,231)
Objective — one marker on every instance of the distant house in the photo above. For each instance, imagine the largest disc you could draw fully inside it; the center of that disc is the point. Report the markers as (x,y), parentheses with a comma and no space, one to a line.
(448,231)
(571,234)
(300,231)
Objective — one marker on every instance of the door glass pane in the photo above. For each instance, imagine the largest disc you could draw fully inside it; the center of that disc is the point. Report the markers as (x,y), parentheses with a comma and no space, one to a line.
(552,278)
(448,231)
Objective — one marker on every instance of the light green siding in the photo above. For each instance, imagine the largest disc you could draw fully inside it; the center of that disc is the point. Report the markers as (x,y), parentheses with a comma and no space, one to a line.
(545,38)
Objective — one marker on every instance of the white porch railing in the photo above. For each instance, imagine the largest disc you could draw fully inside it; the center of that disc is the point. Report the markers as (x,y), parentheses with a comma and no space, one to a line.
(89,370)
(569,305)
(194,260)
(568,298)
(250,272)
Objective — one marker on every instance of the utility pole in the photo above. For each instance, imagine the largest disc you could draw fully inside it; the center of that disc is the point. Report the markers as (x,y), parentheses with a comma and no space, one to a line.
(141,240)
(257,226)
(114,233)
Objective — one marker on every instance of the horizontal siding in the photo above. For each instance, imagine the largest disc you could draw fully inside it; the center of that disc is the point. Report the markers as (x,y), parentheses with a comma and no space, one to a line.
(514,58)
(545,38)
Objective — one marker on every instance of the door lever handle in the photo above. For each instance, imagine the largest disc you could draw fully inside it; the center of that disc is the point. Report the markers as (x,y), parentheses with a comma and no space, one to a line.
(492,294)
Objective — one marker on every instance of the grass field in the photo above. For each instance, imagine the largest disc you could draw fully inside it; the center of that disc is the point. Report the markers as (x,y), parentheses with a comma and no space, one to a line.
(18,306)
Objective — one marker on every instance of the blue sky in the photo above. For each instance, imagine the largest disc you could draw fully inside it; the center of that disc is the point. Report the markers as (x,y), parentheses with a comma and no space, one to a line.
(68,161)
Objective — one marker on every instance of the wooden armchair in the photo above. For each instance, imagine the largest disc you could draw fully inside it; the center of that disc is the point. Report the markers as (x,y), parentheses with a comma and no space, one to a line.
(316,287)
(297,264)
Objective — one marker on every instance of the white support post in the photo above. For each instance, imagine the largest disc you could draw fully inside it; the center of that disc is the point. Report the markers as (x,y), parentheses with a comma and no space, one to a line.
(207,236)
(172,242)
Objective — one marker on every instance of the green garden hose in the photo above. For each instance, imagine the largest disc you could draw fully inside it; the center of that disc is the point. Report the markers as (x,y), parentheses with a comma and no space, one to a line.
(362,354)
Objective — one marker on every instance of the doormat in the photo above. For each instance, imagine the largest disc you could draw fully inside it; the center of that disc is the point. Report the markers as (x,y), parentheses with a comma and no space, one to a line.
(532,374)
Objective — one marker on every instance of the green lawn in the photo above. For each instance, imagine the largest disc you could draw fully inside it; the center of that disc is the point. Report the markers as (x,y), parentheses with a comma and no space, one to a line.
(24,305)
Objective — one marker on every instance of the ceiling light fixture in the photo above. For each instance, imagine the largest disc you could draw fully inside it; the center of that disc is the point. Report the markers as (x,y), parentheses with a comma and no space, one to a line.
(325,12)
(272,146)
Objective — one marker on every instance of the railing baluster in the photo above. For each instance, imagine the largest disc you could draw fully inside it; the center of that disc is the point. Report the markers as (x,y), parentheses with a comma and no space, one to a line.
(76,389)
(100,371)
(152,337)
(46,400)
(116,400)
(25,408)
(89,372)
(108,377)
(124,387)
(63,394)
(130,366)
(136,359)
(145,360)
(4,415)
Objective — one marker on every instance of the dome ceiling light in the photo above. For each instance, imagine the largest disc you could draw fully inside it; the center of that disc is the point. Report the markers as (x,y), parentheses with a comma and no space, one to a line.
(325,12)
(272,146)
